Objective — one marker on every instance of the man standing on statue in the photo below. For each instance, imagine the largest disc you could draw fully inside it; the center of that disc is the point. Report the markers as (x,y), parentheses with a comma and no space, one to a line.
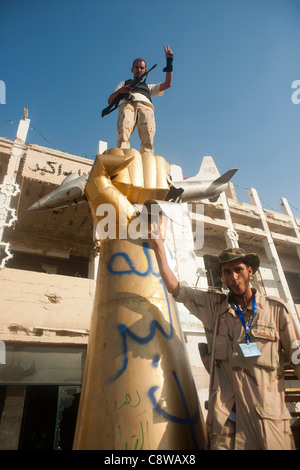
(136,110)
(247,334)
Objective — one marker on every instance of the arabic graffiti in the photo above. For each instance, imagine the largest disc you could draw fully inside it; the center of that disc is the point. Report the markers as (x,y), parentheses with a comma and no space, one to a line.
(131,269)
(189,421)
(128,401)
(53,168)
(139,443)
(121,264)
(140,439)
(125,333)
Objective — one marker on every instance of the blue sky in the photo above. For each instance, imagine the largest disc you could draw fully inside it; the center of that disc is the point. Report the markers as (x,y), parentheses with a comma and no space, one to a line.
(234,65)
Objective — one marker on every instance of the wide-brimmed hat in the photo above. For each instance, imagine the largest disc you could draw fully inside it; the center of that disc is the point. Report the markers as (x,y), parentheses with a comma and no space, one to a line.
(236,254)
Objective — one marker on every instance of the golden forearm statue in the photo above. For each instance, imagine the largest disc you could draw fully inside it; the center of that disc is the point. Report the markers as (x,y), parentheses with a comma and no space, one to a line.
(138,391)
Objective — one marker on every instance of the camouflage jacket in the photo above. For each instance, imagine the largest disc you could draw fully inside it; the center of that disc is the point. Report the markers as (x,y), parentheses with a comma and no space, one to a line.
(253,386)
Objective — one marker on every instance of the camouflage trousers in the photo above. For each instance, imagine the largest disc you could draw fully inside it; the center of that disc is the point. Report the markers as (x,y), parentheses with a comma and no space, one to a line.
(225,440)
(277,436)
(136,114)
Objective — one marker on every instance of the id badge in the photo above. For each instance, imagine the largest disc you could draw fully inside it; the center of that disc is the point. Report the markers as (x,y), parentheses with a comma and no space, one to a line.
(250,350)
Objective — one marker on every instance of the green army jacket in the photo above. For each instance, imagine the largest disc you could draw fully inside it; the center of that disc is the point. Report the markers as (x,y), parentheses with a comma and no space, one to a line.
(253,386)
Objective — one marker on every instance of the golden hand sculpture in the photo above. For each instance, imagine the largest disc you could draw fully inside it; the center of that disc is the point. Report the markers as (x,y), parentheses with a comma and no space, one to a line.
(138,390)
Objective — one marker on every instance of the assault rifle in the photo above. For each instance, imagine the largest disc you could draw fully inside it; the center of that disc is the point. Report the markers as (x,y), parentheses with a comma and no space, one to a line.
(132,85)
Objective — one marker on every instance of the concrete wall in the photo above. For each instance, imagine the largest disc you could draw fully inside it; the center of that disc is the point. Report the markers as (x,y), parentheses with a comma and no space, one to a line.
(36,305)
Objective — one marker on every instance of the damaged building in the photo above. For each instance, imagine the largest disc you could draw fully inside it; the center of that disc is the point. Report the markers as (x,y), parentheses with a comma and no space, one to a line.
(48,270)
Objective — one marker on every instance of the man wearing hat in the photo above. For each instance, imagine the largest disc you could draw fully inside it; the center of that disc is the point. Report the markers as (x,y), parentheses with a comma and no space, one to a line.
(246,335)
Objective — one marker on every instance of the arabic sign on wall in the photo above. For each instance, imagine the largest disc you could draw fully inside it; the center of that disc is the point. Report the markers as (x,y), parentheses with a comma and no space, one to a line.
(52,169)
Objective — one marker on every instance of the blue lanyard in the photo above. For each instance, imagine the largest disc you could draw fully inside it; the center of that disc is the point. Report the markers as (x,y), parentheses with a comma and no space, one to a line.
(248,326)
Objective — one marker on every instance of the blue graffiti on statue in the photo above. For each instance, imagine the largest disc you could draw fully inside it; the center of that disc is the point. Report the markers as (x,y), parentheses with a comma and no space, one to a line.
(125,333)
(189,421)
(131,269)
(155,360)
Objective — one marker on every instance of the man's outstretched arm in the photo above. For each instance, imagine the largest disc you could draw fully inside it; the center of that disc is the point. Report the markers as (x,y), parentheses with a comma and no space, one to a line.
(169,278)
